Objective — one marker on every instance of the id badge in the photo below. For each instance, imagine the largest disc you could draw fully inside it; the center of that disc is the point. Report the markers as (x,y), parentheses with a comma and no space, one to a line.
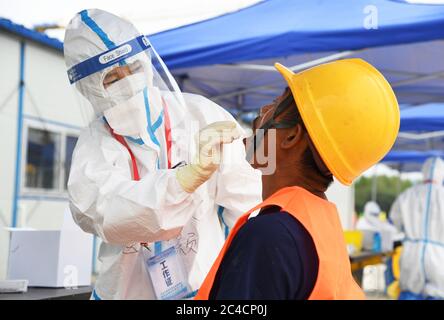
(168,275)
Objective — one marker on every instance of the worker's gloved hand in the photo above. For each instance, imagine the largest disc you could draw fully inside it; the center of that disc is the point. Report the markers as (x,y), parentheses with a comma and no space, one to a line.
(209,141)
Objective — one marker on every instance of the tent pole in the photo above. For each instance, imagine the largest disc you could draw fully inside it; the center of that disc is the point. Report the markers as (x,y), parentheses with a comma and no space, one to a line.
(240,101)
(421,136)
(298,67)
(375,184)
(420,78)
(18,160)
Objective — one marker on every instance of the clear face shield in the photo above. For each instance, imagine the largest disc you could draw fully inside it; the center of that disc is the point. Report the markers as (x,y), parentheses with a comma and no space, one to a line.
(133,92)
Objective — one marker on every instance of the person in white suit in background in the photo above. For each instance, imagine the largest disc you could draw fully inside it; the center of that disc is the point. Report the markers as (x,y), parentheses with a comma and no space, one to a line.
(419,213)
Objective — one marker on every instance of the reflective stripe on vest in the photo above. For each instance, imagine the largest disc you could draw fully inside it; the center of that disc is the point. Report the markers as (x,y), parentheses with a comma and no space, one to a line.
(320,218)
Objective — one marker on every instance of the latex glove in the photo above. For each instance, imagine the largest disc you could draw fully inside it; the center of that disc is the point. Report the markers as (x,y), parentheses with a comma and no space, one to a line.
(209,141)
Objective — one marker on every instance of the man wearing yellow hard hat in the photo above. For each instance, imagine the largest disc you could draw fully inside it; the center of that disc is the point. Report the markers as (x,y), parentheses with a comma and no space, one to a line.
(335,120)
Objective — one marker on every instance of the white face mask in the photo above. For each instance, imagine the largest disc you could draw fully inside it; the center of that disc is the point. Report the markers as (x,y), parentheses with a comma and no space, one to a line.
(126,88)
(129,118)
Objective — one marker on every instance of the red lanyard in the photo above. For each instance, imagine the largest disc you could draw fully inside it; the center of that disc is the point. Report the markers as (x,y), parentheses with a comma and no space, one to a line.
(167,131)
(133,158)
(122,140)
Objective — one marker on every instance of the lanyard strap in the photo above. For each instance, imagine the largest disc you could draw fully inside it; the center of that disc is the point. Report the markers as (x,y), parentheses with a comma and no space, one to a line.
(122,140)
(136,175)
(167,131)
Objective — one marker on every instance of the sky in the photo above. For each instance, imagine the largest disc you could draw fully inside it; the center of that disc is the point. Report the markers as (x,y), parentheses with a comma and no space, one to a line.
(149,16)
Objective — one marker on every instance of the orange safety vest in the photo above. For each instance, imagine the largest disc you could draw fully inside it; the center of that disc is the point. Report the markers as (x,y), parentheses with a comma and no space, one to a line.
(320,218)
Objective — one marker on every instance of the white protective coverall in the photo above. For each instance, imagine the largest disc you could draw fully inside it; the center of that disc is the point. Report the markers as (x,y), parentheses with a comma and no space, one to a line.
(419,213)
(370,220)
(107,202)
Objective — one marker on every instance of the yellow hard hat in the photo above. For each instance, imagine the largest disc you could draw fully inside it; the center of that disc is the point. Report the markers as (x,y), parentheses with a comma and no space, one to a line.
(350,112)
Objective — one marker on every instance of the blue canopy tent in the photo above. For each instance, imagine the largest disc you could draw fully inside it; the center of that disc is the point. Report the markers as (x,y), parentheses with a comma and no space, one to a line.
(411,156)
(281,28)
(230,58)
(422,128)
(428,117)
(210,57)
(421,137)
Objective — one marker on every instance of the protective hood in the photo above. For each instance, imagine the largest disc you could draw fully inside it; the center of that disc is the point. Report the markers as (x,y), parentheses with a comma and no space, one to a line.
(371,209)
(433,170)
(88,34)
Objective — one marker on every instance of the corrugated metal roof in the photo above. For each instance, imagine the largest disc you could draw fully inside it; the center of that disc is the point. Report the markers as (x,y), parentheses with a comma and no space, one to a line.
(22,31)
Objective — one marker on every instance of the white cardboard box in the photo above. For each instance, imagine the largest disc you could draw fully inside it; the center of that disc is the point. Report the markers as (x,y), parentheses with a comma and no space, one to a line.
(51,258)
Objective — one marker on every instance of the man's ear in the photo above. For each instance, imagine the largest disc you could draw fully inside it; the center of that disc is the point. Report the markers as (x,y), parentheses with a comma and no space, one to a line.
(294,137)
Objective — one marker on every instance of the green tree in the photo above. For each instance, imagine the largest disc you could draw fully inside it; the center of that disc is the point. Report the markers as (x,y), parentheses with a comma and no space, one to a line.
(388,188)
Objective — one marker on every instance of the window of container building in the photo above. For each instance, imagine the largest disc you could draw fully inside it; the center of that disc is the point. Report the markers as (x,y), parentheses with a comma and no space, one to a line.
(48,159)
(69,148)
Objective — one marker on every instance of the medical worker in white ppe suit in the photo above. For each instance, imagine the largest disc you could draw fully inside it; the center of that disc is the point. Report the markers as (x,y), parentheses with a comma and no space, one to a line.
(419,213)
(158,175)
(370,220)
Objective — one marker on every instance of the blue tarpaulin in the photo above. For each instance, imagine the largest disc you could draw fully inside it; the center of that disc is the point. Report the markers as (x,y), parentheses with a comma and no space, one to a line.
(418,119)
(402,156)
(205,55)
(428,117)
(279,28)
